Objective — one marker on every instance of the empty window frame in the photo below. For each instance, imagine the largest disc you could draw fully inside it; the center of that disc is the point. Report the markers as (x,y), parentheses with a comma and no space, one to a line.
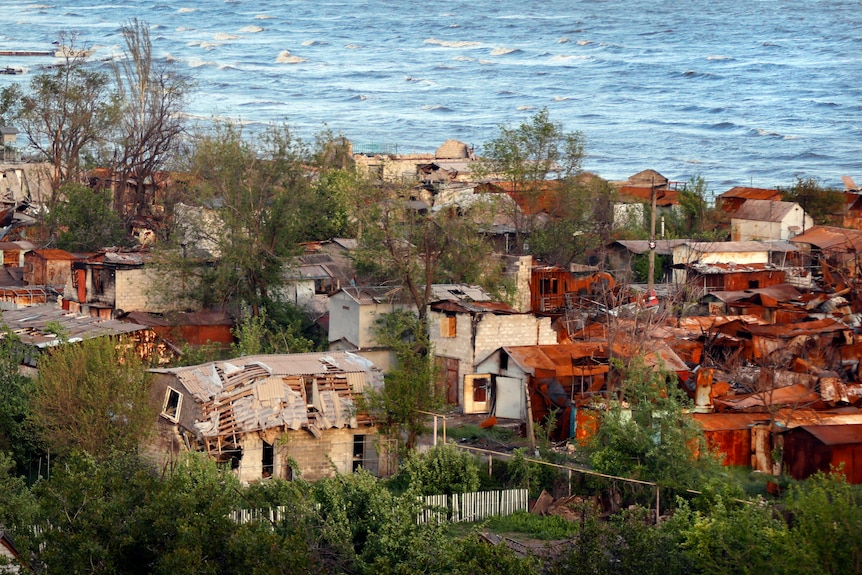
(171,407)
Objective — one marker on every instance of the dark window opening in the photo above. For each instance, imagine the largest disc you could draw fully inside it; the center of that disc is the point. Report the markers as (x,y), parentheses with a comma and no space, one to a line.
(480,389)
(753,284)
(504,360)
(358,451)
(268,459)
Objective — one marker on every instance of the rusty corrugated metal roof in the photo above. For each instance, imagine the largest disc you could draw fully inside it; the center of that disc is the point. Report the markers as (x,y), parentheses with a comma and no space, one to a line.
(751,193)
(835,434)
(474,307)
(831,238)
(781,292)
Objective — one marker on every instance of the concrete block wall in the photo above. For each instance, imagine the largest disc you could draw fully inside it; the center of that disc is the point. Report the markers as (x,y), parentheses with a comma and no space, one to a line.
(317,458)
(496,331)
(139,289)
(518,269)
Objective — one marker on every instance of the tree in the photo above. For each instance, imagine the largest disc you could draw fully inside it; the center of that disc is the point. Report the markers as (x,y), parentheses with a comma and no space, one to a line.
(86,221)
(17,436)
(92,396)
(416,248)
(408,388)
(526,157)
(819,202)
(646,432)
(253,199)
(67,113)
(151,95)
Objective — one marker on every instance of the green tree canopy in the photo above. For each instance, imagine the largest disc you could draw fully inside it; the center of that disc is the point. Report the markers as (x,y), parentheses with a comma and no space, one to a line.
(821,203)
(525,157)
(86,221)
(92,396)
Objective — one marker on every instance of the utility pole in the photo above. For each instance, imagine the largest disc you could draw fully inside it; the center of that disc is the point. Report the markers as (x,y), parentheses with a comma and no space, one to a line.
(652,245)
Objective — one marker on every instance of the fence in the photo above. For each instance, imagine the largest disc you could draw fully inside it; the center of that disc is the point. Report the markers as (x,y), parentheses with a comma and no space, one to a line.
(474,506)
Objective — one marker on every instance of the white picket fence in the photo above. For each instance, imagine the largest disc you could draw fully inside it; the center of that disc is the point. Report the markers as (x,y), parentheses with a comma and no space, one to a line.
(467,507)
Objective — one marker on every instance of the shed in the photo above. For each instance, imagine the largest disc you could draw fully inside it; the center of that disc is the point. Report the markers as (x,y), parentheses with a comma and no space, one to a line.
(732,199)
(768,220)
(812,448)
(49,267)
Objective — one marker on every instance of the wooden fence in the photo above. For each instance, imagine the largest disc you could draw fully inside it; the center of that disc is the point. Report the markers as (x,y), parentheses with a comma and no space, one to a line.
(466,507)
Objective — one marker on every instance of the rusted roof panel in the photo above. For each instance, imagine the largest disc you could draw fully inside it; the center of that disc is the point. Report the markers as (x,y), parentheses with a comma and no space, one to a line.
(790,395)
(751,193)
(836,434)
(54,254)
(831,238)
(781,292)
(728,421)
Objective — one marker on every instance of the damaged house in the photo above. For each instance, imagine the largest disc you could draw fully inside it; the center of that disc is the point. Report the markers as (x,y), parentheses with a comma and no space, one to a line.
(463,331)
(272,415)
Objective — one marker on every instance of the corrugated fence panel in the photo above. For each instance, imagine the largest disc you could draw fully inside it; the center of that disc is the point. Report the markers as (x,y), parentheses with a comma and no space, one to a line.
(473,506)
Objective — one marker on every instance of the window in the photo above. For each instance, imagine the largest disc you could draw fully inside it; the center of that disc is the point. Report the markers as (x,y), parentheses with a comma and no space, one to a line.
(358,452)
(171,407)
(447,326)
(267,460)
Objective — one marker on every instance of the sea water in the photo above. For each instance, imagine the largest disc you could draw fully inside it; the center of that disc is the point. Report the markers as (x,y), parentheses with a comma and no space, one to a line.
(742,93)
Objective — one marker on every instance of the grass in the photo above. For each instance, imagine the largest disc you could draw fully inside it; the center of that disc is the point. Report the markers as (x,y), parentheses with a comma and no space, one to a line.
(547,527)
(470,433)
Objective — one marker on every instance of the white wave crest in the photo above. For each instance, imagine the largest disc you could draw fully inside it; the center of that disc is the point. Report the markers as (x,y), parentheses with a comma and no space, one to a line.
(585,42)
(264,17)
(525,107)
(463,58)
(197,63)
(251,29)
(313,43)
(222,36)
(352,46)
(562,40)
(561,98)
(502,51)
(285,57)
(187,10)
(718,57)
(452,43)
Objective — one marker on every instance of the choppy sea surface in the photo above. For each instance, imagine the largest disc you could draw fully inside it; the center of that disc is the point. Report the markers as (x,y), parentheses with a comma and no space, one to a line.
(742,93)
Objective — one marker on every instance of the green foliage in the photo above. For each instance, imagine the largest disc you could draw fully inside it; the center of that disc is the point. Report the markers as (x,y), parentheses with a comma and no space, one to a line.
(647,434)
(18,507)
(534,526)
(525,157)
(415,248)
(472,556)
(443,469)
(409,386)
(92,396)
(827,515)
(821,203)
(17,436)
(86,221)
(735,538)
(254,201)
(67,112)
(262,335)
